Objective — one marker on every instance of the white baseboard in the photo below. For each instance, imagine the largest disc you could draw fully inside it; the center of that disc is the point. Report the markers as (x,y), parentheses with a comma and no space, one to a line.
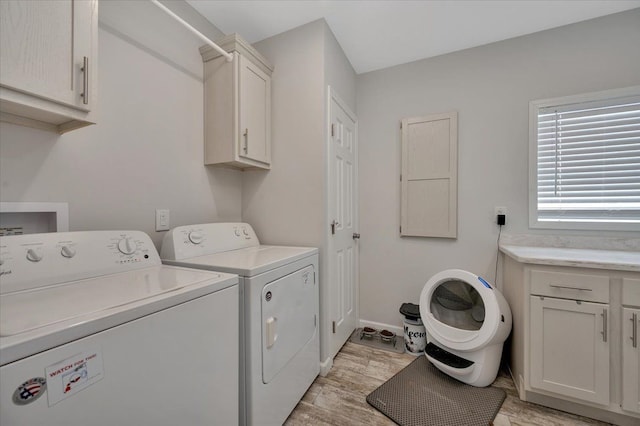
(325,366)
(380,326)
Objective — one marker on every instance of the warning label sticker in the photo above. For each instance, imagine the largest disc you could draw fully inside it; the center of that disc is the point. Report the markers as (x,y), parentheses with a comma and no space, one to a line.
(73,374)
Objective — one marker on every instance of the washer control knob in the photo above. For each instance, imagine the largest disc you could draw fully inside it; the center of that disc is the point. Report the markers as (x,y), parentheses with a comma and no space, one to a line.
(196,237)
(34,255)
(68,252)
(237,232)
(245,232)
(127,246)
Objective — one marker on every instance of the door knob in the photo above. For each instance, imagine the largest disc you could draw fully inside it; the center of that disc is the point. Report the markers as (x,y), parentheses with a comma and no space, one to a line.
(356,236)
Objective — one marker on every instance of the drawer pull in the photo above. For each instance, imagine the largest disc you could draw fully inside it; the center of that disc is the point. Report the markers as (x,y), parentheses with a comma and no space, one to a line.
(570,288)
(604,325)
(634,330)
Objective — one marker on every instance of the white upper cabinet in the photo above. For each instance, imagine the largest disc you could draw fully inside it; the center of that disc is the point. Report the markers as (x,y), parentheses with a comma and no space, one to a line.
(48,62)
(237,99)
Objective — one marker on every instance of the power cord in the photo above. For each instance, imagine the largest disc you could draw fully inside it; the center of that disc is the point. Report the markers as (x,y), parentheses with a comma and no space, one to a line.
(495,277)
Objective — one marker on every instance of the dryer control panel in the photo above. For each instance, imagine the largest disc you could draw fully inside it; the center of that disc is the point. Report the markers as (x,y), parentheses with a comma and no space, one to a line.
(208,238)
(37,260)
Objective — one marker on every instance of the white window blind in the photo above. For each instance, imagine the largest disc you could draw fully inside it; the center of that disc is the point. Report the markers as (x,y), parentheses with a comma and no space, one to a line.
(588,161)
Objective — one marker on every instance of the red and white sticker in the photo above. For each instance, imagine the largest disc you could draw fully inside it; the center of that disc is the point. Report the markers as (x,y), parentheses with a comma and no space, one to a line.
(73,374)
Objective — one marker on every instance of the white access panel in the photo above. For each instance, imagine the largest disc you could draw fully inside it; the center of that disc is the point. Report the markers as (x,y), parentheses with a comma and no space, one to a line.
(161,369)
(429,178)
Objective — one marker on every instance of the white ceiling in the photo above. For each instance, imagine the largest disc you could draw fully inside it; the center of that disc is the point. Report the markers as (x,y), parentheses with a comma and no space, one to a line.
(382,33)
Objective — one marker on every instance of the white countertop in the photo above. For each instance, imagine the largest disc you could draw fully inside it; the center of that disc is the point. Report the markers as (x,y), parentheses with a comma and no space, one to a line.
(583,258)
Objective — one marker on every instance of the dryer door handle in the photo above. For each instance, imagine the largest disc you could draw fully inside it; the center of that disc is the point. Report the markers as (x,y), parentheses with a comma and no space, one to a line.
(272,334)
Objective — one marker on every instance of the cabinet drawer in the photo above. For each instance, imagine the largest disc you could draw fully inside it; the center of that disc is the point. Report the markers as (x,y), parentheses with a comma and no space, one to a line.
(631,292)
(592,288)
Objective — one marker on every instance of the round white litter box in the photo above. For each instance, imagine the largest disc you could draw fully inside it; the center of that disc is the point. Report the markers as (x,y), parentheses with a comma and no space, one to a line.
(467,321)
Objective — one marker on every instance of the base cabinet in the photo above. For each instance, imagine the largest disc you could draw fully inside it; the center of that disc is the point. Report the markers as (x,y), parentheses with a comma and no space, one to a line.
(574,344)
(570,348)
(630,360)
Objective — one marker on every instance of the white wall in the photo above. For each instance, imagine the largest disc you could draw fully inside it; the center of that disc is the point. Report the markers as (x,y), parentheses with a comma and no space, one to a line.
(490,87)
(339,73)
(287,204)
(284,205)
(146,151)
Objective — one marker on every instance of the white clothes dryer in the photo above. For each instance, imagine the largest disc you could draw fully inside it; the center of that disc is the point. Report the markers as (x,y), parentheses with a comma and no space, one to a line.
(279,337)
(467,321)
(94,330)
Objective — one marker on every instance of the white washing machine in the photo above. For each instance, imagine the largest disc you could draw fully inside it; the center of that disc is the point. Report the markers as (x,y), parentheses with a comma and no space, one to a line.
(280,348)
(94,330)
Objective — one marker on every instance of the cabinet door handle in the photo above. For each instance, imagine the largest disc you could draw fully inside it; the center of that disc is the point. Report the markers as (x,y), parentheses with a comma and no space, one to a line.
(246,140)
(604,325)
(634,330)
(570,288)
(85,81)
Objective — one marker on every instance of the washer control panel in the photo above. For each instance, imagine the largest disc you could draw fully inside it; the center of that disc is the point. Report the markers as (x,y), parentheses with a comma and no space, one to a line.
(197,240)
(36,260)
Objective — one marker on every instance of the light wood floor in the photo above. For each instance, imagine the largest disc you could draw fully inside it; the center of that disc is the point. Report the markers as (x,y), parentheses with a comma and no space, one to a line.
(339,398)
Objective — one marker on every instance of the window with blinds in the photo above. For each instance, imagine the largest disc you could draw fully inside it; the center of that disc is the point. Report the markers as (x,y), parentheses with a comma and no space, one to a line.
(587,161)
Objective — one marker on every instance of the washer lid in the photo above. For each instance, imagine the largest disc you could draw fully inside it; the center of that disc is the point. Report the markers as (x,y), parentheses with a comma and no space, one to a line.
(249,261)
(49,316)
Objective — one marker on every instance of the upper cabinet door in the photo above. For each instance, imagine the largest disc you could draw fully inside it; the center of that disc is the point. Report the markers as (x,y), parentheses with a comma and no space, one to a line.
(255,119)
(48,63)
(42,50)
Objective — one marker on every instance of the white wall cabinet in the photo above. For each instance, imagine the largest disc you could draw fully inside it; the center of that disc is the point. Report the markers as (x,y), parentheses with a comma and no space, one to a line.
(571,345)
(237,106)
(48,63)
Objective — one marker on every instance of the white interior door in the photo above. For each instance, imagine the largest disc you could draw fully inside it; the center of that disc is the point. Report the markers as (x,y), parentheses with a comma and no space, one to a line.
(343,219)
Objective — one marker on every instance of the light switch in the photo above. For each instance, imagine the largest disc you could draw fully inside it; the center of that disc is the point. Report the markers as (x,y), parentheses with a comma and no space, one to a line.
(162,220)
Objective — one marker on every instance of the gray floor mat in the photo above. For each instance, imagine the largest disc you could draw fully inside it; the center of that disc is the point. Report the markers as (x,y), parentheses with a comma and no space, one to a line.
(422,395)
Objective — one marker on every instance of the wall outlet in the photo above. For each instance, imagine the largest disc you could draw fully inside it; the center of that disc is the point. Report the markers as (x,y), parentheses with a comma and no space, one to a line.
(162,220)
(500,210)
